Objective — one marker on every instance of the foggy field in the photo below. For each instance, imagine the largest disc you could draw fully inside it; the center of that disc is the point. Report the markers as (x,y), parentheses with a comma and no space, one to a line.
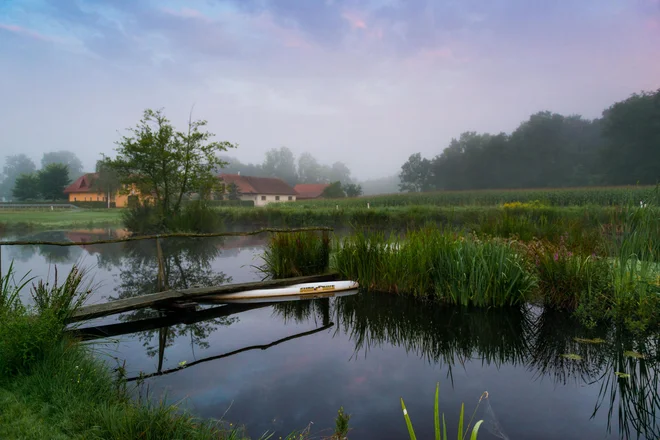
(68,219)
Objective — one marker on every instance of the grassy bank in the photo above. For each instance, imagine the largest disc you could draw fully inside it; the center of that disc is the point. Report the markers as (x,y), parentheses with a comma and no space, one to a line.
(25,220)
(53,387)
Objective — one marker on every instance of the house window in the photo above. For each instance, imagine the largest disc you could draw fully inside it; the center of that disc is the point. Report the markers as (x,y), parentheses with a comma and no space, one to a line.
(290,198)
(277,197)
(263,197)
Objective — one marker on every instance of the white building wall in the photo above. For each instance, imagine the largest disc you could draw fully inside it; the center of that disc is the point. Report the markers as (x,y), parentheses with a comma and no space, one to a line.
(263,200)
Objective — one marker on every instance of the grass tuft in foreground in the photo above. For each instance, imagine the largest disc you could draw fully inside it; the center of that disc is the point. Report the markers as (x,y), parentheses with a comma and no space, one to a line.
(440,428)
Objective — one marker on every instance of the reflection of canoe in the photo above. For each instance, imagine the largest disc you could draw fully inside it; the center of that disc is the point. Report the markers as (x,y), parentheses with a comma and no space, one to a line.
(290,293)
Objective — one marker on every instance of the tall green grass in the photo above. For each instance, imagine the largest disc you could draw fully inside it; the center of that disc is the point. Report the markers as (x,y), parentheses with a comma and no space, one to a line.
(440,428)
(296,254)
(437,263)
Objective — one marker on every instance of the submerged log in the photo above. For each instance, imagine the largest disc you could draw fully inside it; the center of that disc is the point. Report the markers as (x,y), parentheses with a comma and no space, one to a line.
(187,295)
(182,317)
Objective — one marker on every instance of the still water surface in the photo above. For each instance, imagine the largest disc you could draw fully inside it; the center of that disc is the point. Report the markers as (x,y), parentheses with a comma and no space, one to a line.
(285,366)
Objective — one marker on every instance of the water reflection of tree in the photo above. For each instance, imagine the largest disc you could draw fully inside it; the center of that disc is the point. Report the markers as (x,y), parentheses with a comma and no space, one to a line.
(186,264)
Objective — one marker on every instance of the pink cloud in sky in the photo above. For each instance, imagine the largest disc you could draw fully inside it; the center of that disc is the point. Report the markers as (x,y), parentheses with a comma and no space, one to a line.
(287,37)
(354,20)
(187,13)
(27,32)
(653,24)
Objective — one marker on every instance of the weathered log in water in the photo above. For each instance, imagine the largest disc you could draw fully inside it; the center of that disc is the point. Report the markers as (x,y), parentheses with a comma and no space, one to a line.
(232,353)
(187,295)
(186,317)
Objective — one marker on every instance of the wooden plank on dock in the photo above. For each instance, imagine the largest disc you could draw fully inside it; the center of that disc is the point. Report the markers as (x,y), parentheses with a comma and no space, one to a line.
(161,298)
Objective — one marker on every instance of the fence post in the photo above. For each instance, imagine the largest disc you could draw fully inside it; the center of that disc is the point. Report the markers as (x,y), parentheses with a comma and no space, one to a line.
(161,282)
(0,261)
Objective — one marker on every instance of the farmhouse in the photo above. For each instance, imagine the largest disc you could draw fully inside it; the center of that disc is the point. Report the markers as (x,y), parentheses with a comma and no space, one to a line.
(260,190)
(308,191)
(84,190)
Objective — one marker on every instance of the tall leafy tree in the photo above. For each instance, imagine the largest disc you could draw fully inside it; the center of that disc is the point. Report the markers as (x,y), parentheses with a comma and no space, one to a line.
(416,174)
(334,191)
(632,133)
(353,190)
(281,163)
(72,162)
(309,170)
(107,180)
(233,192)
(52,181)
(166,163)
(26,187)
(14,166)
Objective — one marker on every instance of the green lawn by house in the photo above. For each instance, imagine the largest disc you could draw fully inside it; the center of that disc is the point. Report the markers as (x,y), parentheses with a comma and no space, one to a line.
(59,219)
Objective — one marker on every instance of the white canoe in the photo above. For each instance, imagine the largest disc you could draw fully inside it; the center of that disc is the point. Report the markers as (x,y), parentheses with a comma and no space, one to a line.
(290,293)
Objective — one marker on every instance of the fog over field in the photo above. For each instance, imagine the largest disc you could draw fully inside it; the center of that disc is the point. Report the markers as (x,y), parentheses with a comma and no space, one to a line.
(364,82)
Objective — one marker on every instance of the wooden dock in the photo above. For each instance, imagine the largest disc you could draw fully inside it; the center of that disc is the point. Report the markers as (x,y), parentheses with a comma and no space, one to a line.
(169,297)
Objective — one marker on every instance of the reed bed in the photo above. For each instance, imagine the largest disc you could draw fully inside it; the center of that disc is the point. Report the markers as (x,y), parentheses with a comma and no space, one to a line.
(437,263)
(296,254)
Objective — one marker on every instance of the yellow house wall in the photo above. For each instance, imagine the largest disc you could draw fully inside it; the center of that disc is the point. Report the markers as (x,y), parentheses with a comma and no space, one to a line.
(121,200)
(86,197)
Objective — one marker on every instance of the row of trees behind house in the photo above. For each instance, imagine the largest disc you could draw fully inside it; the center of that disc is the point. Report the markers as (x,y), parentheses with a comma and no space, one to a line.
(20,179)
(550,150)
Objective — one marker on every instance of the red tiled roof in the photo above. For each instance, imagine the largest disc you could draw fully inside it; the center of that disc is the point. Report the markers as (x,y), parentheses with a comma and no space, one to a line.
(83,184)
(310,190)
(259,185)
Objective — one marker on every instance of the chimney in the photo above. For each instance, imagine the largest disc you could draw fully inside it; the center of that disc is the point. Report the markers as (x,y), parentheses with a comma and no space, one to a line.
(239,173)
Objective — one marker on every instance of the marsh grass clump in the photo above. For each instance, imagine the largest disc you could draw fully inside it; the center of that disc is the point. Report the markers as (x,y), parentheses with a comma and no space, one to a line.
(294,254)
(26,336)
(437,263)
(568,280)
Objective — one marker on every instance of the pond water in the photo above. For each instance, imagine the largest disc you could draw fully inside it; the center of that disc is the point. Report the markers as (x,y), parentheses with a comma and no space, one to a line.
(286,366)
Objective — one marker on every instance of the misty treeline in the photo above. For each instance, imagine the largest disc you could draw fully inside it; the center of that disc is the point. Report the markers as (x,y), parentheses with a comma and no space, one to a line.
(21,180)
(282,163)
(550,150)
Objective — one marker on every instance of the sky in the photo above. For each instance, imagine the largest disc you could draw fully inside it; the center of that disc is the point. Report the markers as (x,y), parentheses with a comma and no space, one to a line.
(365,82)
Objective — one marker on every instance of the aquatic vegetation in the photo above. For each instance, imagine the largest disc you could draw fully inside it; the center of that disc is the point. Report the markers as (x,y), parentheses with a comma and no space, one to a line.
(590,341)
(296,254)
(440,428)
(572,356)
(436,263)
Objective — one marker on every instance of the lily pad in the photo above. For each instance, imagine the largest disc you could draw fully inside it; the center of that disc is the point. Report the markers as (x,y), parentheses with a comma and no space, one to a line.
(589,341)
(633,354)
(572,356)
(622,375)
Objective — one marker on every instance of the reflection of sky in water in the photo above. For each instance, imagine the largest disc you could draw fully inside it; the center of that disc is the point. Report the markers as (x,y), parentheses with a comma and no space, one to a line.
(287,386)
(306,380)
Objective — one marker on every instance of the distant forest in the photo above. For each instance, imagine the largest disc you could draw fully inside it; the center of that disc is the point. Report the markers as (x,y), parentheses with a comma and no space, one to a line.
(550,150)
